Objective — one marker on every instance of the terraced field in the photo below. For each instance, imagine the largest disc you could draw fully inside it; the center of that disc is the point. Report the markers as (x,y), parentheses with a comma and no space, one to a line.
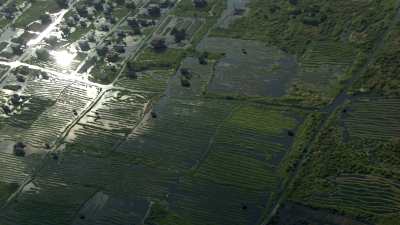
(373,118)
(15,169)
(353,165)
(116,115)
(179,136)
(266,112)
(151,82)
(49,106)
(238,139)
(354,191)
(323,67)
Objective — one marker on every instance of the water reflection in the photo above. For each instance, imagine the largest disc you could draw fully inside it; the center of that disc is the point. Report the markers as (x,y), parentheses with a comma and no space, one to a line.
(63,57)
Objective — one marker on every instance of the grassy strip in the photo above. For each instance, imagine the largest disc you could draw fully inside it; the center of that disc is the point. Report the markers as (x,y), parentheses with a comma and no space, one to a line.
(160,215)
(35,10)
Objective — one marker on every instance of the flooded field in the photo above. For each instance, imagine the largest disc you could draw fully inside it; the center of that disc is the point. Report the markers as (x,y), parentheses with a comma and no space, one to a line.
(162,112)
(249,68)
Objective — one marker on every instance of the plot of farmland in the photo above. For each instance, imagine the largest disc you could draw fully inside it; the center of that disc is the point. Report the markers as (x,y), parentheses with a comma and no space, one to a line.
(249,68)
(199,79)
(199,112)
(180,134)
(371,194)
(373,118)
(242,161)
(45,108)
(115,116)
(322,67)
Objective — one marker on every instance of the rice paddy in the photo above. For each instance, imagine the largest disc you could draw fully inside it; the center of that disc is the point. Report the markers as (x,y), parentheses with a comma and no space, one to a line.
(199,112)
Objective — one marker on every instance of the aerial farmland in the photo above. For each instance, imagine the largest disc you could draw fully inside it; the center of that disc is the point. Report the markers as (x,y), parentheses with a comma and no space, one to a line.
(199,112)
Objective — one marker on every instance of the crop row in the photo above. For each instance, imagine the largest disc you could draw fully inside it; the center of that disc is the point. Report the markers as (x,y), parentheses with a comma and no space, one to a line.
(116,114)
(150,81)
(373,118)
(51,123)
(363,194)
(203,202)
(248,148)
(180,134)
(327,53)
(46,204)
(14,169)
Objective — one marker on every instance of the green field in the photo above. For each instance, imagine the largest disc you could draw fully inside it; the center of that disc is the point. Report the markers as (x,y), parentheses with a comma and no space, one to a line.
(278,112)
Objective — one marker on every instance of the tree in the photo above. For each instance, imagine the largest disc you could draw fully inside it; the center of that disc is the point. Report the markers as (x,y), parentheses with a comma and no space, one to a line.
(19,149)
(158,44)
(52,40)
(120,2)
(130,70)
(179,34)
(45,19)
(185,82)
(186,73)
(6,109)
(42,54)
(113,57)
(17,49)
(130,5)
(82,11)
(84,45)
(98,5)
(15,99)
(154,10)
(62,3)
(102,51)
(132,22)
(200,3)
(65,30)
(203,58)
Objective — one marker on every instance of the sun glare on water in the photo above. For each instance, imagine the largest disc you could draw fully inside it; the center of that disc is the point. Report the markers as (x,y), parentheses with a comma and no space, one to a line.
(63,58)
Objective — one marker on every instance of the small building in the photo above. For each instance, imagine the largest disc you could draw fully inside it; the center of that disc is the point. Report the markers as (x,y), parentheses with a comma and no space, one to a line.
(158,43)
(84,45)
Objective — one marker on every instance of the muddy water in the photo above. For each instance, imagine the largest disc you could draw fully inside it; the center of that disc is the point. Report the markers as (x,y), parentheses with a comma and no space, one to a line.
(249,68)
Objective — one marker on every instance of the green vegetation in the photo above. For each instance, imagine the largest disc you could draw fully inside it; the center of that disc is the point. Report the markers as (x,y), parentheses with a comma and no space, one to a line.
(275,123)
(373,118)
(343,170)
(104,73)
(36,9)
(152,81)
(150,59)
(187,8)
(79,32)
(381,76)
(307,21)
(292,107)
(6,190)
(159,215)
(113,118)
(304,136)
